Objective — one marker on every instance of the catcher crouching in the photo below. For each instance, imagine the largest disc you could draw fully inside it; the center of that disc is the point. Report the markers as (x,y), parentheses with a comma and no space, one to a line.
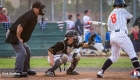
(60,53)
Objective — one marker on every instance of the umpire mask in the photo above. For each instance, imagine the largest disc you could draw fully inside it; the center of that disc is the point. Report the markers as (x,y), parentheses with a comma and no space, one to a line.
(41,7)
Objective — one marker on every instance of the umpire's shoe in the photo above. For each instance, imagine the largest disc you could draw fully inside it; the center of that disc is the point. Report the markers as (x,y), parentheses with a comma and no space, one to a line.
(31,72)
(100,74)
(69,72)
(20,74)
(49,73)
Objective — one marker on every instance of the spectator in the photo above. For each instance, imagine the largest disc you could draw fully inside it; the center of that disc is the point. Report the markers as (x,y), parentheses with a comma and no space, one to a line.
(135,38)
(79,29)
(98,41)
(137,22)
(3,18)
(70,23)
(4,11)
(86,18)
(6,24)
(107,42)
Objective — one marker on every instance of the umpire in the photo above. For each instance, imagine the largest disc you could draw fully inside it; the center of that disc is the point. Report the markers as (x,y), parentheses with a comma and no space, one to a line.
(19,33)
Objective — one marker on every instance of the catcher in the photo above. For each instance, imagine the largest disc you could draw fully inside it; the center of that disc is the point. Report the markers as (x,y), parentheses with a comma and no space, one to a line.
(60,53)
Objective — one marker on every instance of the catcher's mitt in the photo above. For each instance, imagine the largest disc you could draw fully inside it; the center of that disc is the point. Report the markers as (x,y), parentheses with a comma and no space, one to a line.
(91,39)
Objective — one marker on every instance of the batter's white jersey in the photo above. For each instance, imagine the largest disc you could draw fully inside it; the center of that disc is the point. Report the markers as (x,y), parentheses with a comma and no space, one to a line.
(118,19)
(70,25)
(117,24)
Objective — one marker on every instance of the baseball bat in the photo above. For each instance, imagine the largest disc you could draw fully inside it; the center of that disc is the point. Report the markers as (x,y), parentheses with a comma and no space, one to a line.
(96,23)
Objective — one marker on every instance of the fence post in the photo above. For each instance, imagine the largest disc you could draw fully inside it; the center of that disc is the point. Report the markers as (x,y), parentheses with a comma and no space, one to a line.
(52,10)
(64,10)
(101,13)
(77,6)
(134,10)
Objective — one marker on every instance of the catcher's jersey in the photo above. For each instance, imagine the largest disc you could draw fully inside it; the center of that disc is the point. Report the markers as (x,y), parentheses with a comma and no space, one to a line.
(63,47)
(118,19)
(70,24)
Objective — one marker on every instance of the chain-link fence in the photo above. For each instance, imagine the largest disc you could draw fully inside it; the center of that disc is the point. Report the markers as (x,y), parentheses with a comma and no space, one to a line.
(57,10)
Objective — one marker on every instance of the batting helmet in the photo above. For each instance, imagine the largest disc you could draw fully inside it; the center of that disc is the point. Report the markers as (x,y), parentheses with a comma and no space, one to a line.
(120,3)
(71,33)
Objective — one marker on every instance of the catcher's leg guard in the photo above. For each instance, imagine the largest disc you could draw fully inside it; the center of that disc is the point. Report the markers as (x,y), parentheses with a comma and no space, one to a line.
(76,58)
(58,63)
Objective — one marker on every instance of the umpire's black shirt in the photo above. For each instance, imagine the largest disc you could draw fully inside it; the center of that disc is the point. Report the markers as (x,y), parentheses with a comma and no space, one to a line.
(28,21)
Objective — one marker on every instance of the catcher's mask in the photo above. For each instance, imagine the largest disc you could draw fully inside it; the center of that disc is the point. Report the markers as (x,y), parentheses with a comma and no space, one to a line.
(41,7)
(73,35)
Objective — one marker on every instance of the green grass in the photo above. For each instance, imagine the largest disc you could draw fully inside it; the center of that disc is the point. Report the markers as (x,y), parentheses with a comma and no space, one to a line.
(92,62)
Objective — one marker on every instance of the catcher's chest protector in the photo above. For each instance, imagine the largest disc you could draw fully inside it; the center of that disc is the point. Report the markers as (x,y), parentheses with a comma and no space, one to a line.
(67,48)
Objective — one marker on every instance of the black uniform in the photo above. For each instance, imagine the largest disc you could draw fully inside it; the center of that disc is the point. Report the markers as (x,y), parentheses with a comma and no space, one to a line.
(63,47)
(28,21)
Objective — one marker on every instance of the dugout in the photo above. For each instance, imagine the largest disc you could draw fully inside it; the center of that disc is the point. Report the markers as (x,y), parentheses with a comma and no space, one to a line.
(44,35)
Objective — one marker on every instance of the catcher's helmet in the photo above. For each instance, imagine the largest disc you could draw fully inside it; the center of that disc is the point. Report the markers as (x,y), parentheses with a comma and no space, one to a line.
(120,3)
(71,34)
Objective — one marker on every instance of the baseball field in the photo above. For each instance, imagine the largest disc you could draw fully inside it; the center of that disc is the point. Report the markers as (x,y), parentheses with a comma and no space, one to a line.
(87,67)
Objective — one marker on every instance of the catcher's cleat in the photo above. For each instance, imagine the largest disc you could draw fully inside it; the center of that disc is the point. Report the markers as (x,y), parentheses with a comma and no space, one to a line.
(100,74)
(69,72)
(49,73)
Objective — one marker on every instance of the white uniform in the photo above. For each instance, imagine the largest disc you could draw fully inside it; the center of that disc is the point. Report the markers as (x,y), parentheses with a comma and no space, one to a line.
(86,26)
(117,24)
(70,25)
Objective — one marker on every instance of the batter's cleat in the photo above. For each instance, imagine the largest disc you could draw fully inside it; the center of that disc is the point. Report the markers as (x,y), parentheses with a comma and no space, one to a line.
(69,72)
(100,74)
(49,73)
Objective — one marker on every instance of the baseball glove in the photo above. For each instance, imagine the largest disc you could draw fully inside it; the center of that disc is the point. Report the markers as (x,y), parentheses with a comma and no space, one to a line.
(91,39)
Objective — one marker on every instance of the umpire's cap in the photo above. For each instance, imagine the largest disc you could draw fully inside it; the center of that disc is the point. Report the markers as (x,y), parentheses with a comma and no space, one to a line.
(71,34)
(38,4)
(120,3)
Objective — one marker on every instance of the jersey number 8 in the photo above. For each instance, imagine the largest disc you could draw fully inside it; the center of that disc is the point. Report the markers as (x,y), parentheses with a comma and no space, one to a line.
(113,18)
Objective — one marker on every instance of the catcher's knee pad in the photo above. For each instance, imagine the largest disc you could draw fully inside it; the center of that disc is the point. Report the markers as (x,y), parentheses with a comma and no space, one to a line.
(63,58)
(76,56)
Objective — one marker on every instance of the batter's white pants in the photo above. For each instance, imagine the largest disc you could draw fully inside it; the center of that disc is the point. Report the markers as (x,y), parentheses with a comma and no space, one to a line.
(120,40)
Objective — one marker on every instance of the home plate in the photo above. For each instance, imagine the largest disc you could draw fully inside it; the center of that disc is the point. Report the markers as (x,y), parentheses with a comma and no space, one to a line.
(83,79)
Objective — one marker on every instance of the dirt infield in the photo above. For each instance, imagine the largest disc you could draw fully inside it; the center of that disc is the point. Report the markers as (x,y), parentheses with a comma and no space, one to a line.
(83,76)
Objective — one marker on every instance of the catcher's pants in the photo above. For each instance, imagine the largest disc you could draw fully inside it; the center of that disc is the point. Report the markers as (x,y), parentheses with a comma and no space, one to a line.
(120,40)
(23,54)
(55,57)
